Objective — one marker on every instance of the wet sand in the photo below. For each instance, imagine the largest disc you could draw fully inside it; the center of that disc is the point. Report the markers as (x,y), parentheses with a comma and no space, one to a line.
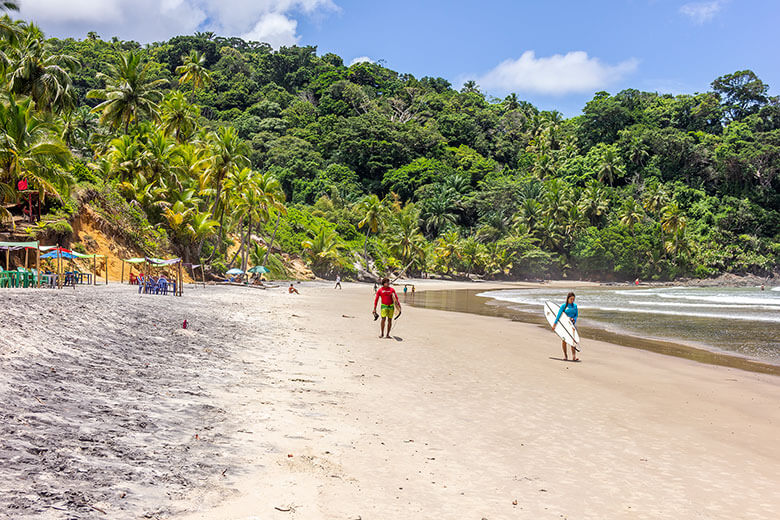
(288,406)
(466,300)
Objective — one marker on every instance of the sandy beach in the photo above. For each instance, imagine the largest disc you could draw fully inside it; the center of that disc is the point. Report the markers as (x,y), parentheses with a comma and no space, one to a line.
(278,406)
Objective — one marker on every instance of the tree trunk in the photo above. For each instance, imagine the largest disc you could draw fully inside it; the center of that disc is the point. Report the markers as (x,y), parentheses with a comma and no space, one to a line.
(221,220)
(273,237)
(365,249)
(247,243)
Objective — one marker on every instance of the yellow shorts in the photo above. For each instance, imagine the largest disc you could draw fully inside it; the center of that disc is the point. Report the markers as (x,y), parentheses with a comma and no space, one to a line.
(387,311)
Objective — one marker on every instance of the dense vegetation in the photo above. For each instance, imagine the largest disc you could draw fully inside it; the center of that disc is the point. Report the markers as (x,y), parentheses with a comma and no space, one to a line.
(202,138)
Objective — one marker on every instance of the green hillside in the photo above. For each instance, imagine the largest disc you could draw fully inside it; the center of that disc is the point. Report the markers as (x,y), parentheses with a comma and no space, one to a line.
(191,144)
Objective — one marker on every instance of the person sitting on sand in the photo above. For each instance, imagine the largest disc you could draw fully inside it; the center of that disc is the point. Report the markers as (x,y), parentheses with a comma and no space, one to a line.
(570,308)
(292,290)
(389,300)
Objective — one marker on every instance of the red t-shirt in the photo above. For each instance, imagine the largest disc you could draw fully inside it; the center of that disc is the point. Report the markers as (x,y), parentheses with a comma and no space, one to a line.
(387,294)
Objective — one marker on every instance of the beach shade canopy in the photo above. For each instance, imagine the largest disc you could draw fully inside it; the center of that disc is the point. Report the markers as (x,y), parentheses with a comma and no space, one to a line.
(235,270)
(61,254)
(258,269)
(161,261)
(18,245)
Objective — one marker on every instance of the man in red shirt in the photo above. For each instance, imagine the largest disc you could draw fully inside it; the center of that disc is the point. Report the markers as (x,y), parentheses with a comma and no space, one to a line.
(389,301)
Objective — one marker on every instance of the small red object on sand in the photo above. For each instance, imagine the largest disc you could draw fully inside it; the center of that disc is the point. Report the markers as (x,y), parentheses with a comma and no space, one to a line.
(289,455)
(184,325)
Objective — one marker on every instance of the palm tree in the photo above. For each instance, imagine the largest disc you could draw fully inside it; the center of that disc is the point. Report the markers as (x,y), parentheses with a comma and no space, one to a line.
(656,198)
(437,213)
(470,253)
(550,236)
(530,214)
(157,156)
(125,156)
(631,214)
(672,218)
(405,239)
(500,258)
(77,127)
(193,70)
(446,250)
(373,219)
(609,167)
(130,94)
(323,249)
(637,152)
(179,118)
(30,149)
(226,154)
(34,71)
(594,202)
(9,5)
(272,202)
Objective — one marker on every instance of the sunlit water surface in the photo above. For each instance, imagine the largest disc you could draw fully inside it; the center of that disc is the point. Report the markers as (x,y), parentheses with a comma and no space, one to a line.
(738,320)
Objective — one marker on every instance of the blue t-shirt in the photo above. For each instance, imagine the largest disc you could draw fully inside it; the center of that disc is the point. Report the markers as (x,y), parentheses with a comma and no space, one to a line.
(570,310)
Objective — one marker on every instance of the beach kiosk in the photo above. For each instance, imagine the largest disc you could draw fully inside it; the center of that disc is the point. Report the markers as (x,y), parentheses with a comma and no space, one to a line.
(8,279)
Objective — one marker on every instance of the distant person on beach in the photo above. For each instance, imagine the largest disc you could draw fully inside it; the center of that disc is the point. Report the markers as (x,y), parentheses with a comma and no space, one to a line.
(570,308)
(292,290)
(389,300)
(374,287)
(338,282)
(406,288)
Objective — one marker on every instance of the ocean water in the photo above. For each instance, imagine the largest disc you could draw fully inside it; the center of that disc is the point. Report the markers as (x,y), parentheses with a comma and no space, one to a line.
(744,321)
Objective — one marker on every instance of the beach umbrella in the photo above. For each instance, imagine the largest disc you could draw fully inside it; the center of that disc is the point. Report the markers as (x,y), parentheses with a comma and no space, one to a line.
(235,270)
(258,269)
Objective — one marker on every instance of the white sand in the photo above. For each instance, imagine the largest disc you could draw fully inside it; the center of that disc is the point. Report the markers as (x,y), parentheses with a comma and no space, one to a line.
(457,417)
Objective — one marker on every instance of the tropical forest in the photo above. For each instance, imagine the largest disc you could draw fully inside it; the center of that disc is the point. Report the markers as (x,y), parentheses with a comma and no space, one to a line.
(231,153)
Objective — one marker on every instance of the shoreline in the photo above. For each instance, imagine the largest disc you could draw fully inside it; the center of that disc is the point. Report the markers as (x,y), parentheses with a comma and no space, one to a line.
(469,302)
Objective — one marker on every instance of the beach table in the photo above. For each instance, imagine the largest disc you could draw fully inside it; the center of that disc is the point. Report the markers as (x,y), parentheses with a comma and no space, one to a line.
(49,280)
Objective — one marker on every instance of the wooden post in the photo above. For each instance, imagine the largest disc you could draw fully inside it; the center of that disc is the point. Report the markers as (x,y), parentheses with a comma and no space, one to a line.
(59,266)
(181,279)
(106,257)
(26,257)
(122,279)
(94,270)
(7,258)
(38,264)
(203,274)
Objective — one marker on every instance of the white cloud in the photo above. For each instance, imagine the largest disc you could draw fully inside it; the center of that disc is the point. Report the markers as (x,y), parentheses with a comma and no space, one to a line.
(275,29)
(361,59)
(272,21)
(702,12)
(558,74)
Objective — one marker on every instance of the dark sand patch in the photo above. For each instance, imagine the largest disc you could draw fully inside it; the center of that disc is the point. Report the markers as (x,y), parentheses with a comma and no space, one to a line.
(103,394)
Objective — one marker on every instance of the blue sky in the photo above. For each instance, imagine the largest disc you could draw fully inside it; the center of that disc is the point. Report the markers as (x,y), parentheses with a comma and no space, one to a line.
(555,54)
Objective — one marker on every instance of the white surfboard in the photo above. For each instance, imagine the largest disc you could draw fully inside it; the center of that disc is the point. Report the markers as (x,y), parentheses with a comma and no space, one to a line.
(565,329)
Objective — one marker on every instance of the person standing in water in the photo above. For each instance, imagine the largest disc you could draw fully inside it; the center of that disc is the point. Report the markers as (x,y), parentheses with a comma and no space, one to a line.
(389,301)
(570,309)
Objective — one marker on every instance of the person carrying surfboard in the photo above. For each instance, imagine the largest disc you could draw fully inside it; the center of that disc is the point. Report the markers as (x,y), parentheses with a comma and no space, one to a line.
(570,308)
(389,301)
